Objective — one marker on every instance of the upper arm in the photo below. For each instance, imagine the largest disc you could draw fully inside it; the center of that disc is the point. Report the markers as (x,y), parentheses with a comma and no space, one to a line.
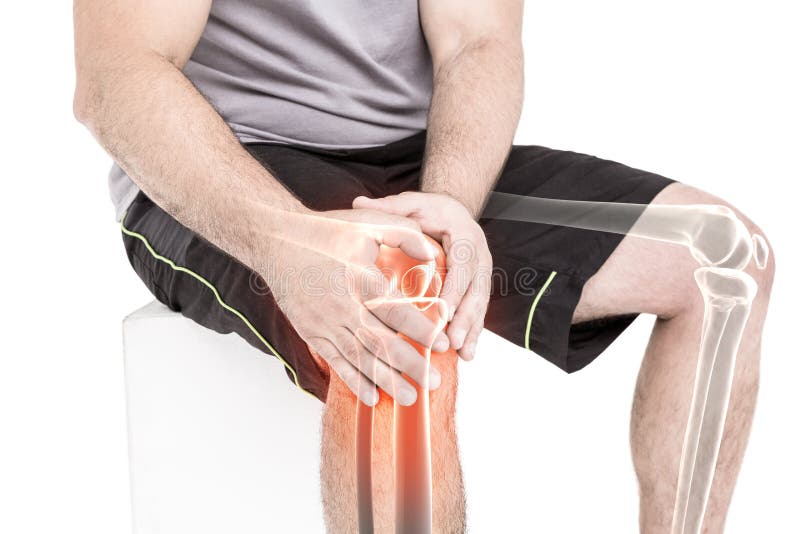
(109,30)
(451,25)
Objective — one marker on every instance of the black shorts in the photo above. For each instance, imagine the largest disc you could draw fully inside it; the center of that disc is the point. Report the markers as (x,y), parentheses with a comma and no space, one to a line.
(544,268)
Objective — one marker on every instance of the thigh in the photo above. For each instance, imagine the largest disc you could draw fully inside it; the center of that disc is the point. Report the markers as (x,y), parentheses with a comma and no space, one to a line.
(644,276)
(541,270)
(322,182)
(193,277)
(640,276)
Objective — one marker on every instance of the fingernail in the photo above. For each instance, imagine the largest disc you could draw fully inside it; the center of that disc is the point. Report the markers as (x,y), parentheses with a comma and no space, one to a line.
(441,344)
(457,338)
(469,351)
(434,378)
(371,398)
(407,396)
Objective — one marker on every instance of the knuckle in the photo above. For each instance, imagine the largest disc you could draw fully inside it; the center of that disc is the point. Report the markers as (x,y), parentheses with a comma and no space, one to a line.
(459,322)
(348,346)
(375,345)
(469,311)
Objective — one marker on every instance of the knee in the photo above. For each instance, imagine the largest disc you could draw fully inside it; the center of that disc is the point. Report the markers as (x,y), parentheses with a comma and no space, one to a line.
(765,276)
(761,253)
(730,222)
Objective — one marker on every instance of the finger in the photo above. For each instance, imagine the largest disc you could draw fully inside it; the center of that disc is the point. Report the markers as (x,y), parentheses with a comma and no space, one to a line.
(401,356)
(467,351)
(444,312)
(471,311)
(359,384)
(390,204)
(409,320)
(388,379)
(462,264)
(412,242)
(397,232)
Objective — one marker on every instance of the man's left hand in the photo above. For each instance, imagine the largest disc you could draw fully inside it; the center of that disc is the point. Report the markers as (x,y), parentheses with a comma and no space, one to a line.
(469,262)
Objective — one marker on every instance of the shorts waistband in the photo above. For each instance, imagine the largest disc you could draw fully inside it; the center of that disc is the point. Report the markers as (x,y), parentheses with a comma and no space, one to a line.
(408,149)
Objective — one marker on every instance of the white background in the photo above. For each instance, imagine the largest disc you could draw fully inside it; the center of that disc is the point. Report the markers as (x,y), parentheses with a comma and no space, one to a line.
(704,92)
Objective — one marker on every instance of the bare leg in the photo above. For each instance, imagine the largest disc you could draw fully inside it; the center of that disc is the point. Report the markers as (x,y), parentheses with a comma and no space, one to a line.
(728,296)
(338,459)
(666,288)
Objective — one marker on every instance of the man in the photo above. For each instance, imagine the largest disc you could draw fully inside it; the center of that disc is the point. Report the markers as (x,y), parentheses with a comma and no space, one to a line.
(258,140)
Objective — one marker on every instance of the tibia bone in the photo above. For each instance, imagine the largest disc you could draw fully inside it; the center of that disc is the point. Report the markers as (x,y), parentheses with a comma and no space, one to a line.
(728,295)
(713,234)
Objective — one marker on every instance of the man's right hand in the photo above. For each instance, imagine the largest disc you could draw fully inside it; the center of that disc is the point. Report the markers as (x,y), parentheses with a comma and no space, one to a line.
(323,277)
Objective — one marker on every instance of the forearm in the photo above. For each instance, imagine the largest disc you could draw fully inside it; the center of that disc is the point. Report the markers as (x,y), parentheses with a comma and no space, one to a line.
(476,104)
(180,152)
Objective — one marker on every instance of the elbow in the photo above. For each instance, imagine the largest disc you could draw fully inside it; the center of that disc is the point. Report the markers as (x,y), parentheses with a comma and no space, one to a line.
(492,47)
(86,100)
(505,49)
(99,84)
(80,110)
(88,96)
(81,102)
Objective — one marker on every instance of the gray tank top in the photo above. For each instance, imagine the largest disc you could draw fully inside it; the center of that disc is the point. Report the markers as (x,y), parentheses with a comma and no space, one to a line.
(317,73)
